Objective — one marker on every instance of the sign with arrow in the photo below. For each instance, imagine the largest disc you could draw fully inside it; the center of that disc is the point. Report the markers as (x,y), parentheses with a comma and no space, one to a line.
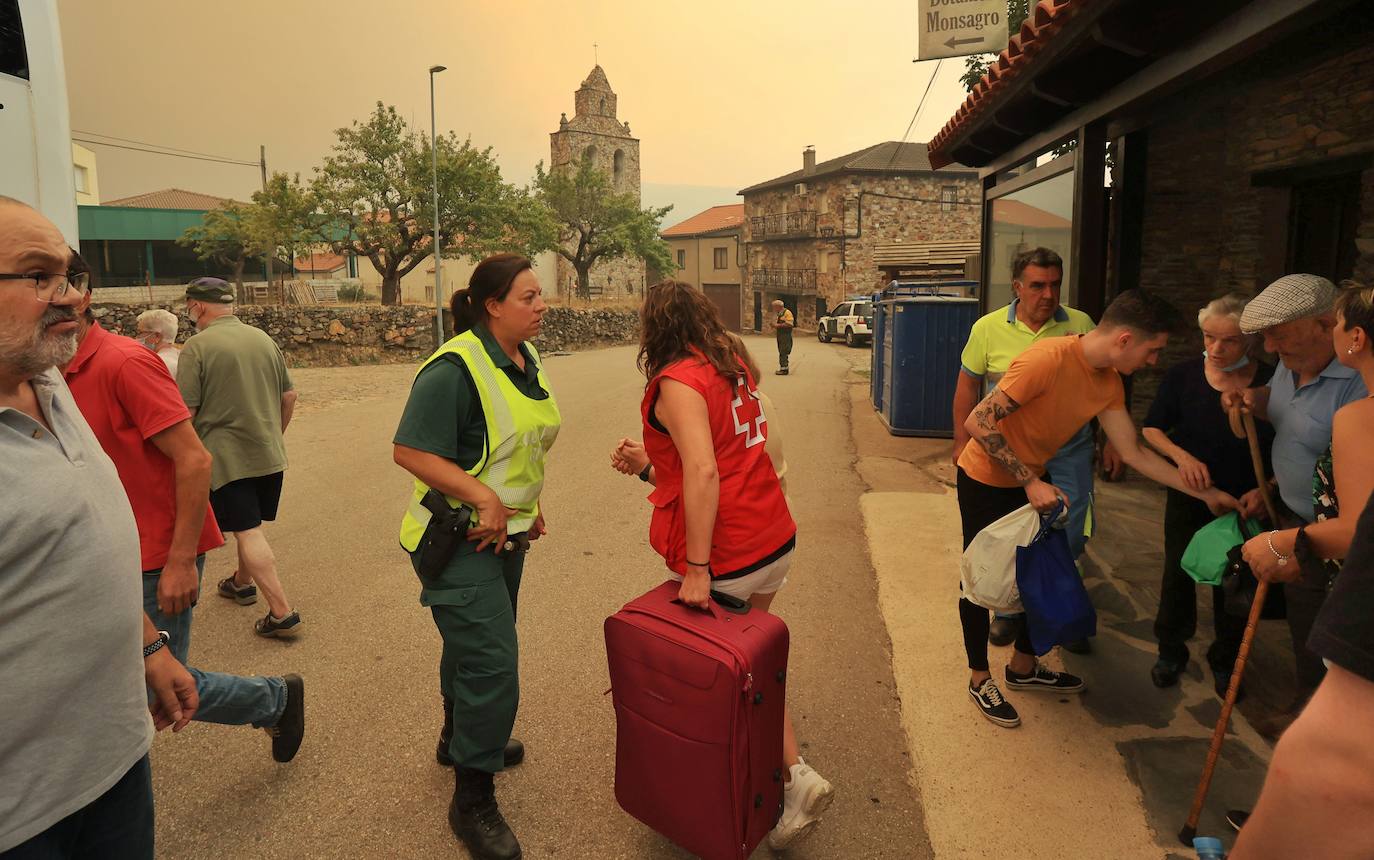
(955,28)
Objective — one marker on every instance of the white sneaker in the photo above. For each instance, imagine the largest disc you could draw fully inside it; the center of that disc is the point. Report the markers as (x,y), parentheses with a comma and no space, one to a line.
(804,801)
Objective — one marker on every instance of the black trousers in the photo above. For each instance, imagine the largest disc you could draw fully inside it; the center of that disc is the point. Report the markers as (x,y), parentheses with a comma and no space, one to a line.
(1176,621)
(1304,598)
(981,505)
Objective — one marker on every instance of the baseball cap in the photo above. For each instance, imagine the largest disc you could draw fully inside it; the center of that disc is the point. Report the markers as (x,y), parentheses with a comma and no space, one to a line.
(1292,297)
(210,290)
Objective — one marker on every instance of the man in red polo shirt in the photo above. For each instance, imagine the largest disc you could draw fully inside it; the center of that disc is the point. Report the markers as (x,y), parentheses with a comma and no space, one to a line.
(134,408)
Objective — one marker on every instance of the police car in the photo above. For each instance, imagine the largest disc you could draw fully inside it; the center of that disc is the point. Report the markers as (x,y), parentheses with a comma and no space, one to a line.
(851,320)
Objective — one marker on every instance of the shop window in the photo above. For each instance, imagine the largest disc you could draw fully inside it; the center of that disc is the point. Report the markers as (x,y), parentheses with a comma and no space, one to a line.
(1037,215)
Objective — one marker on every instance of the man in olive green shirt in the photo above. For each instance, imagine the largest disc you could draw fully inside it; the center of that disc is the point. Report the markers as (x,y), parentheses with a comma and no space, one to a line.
(234,380)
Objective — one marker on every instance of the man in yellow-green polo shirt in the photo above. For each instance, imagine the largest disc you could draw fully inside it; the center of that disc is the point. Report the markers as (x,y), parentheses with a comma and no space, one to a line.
(995,340)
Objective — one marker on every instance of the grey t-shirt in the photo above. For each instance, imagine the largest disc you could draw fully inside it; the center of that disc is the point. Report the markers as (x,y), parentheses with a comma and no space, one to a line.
(233,376)
(73,707)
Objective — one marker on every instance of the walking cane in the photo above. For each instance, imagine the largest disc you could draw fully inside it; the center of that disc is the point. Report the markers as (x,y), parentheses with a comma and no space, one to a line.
(1243,425)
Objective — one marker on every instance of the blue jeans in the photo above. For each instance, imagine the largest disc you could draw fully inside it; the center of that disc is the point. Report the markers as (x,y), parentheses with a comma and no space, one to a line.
(1071,470)
(232,700)
(117,825)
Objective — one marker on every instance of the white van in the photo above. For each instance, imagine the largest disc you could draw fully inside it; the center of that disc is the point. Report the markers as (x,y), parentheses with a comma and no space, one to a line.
(35,129)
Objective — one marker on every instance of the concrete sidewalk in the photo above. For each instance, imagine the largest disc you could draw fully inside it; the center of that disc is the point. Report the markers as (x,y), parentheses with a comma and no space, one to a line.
(1108,773)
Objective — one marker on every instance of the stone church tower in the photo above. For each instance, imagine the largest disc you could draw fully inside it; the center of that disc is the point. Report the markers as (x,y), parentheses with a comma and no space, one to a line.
(595,133)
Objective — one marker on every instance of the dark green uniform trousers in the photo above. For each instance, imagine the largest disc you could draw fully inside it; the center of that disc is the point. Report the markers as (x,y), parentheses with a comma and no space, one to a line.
(473,603)
(784,346)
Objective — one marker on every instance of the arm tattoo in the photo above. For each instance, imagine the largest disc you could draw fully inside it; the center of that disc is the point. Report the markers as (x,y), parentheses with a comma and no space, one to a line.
(988,414)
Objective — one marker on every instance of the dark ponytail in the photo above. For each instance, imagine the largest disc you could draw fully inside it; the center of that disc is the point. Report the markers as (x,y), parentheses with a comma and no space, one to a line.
(491,279)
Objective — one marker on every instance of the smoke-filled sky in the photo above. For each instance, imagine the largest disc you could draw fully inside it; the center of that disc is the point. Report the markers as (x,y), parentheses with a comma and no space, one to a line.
(721,94)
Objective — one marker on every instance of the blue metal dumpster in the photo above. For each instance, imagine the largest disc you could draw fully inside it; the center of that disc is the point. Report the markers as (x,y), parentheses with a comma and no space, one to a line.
(875,379)
(922,336)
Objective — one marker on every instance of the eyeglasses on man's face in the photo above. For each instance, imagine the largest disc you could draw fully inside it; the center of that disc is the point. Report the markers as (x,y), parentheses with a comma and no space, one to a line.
(49,286)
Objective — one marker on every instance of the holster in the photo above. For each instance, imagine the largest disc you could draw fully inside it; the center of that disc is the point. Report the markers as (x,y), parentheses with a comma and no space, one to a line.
(446,532)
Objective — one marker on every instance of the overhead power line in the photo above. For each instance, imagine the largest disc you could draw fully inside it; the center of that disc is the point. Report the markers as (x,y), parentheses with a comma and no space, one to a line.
(919,105)
(156,150)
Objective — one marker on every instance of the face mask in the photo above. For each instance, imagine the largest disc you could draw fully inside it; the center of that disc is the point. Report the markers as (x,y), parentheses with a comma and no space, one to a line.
(1241,362)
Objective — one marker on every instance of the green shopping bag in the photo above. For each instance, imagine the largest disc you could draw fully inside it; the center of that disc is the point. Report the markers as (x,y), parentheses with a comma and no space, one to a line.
(1205,558)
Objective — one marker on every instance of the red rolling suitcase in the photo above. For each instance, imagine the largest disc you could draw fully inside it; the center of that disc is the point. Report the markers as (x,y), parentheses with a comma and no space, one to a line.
(698,711)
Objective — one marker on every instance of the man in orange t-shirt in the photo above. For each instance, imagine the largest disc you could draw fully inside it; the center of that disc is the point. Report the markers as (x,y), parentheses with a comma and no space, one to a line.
(1049,392)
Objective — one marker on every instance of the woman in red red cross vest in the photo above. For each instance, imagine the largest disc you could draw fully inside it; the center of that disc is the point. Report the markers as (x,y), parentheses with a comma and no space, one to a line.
(720,519)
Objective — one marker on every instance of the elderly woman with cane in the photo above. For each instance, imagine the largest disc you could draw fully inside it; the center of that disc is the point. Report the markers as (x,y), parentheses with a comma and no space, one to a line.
(1187,424)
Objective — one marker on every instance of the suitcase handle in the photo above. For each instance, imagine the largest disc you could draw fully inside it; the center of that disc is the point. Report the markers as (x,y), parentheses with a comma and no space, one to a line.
(728,602)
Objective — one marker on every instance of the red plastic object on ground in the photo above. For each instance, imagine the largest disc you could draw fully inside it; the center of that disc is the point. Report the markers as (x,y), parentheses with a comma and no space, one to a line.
(698,708)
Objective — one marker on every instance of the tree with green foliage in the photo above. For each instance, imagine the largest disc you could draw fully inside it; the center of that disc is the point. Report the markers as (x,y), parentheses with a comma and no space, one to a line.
(595,224)
(226,236)
(373,198)
(976,65)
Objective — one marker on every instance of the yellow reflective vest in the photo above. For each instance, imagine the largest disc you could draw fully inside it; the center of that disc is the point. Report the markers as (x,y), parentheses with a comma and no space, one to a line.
(519,433)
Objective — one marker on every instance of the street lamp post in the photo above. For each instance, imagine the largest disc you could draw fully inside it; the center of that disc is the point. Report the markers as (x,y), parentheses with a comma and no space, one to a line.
(438,257)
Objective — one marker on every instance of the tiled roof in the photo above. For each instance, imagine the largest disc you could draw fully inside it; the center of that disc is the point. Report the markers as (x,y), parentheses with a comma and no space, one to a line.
(712,220)
(171,198)
(1024,215)
(1044,20)
(326,262)
(889,157)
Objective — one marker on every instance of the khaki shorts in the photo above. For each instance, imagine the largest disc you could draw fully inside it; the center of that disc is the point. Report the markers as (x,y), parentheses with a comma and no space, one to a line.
(765,580)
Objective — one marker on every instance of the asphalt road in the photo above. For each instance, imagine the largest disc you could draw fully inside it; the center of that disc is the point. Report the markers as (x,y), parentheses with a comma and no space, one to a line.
(365,783)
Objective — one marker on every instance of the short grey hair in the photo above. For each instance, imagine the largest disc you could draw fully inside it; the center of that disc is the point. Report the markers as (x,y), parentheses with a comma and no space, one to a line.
(161,321)
(1229,306)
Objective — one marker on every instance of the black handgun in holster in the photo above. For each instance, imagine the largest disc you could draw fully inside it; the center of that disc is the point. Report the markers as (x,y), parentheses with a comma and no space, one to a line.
(446,532)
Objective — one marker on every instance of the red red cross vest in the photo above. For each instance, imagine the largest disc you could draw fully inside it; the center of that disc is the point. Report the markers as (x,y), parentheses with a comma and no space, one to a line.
(752,519)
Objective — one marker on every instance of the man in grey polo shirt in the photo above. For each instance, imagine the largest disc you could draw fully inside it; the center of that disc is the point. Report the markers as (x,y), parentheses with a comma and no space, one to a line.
(1296,314)
(74,726)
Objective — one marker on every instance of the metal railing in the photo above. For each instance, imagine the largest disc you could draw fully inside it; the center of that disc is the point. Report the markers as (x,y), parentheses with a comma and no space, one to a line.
(795,281)
(783,225)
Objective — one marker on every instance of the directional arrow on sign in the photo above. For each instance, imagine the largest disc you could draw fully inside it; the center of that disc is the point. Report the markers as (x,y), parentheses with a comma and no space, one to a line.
(954,43)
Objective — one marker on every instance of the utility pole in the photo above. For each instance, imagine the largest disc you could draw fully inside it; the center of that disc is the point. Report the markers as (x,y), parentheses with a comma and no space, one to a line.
(267,258)
(438,256)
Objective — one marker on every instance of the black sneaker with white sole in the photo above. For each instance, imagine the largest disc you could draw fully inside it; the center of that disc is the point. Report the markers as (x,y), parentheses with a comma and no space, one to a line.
(997,709)
(1044,678)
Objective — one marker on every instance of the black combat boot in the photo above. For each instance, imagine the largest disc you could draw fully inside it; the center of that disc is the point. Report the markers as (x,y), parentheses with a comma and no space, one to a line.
(513,755)
(475,818)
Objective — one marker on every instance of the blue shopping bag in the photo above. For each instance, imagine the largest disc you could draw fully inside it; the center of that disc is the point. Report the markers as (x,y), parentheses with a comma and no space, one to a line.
(1057,606)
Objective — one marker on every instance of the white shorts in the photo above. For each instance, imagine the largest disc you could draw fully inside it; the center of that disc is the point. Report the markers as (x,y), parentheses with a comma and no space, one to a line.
(765,580)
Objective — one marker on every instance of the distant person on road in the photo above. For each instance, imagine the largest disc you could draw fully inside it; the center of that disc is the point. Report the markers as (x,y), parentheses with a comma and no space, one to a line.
(476,428)
(1319,792)
(157,330)
(1296,316)
(720,518)
(234,380)
(79,662)
(783,323)
(1050,391)
(135,410)
(994,342)
(1187,424)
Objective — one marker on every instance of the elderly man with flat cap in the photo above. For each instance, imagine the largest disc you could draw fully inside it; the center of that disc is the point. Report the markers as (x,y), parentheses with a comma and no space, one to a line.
(234,380)
(1295,315)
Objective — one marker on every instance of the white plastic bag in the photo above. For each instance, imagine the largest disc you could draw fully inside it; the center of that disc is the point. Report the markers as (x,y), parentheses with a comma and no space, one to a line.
(987,570)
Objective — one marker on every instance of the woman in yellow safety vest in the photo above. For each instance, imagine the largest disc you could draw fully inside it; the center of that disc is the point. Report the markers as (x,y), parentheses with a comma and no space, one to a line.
(474,434)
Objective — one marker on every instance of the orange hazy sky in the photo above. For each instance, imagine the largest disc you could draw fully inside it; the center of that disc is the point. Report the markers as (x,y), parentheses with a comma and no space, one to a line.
(721,94)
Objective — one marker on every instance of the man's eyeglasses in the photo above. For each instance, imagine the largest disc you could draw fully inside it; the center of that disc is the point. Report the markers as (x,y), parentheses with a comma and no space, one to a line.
(48,286)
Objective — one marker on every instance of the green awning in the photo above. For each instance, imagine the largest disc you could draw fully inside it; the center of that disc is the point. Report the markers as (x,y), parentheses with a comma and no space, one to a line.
(129,222)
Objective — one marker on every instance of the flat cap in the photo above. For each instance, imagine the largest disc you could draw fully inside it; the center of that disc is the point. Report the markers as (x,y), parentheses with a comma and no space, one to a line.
(1292,297)
(210,290)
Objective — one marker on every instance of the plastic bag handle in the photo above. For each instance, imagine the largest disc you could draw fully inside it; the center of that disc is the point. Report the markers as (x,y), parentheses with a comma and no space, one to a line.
(1047,521)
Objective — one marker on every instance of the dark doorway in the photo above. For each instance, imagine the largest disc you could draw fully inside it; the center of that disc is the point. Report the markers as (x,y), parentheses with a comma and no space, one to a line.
(758,311)
(1322,223)
(726,299)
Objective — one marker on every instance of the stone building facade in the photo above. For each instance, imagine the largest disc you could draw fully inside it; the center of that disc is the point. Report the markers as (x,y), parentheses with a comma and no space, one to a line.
(1264,170)
(595,133)
(815,235)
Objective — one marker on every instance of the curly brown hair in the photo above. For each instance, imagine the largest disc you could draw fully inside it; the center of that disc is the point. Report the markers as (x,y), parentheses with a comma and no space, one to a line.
(678,321)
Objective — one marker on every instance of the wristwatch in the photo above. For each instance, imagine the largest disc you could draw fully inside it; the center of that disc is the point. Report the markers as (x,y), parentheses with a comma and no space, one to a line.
(644,475)
(163,637)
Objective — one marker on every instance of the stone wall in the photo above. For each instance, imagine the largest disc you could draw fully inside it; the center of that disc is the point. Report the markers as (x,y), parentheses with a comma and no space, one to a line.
(1209,228)
(846,266)
(373,334)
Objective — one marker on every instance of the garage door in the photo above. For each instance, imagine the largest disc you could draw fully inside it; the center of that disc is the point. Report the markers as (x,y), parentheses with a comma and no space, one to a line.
(726,299)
